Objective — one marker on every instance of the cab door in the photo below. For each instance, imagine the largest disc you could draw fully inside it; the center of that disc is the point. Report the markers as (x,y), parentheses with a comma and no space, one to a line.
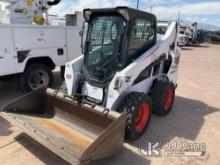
(7,58)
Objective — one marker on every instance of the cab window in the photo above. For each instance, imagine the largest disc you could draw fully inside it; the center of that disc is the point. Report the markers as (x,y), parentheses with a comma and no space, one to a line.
(141,37)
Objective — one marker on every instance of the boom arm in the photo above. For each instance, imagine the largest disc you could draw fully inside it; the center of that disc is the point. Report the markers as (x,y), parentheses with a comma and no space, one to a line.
(29,11)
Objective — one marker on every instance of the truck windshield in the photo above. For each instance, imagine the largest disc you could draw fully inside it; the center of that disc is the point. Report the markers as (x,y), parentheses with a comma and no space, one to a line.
(103,46)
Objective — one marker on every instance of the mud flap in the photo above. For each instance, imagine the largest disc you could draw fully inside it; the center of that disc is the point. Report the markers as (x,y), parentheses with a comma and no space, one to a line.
(78,133)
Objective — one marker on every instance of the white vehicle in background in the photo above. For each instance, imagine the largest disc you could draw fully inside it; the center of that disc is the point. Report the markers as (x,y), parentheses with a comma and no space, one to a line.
(193,33)
(30,49)
(188,35)
(183,38)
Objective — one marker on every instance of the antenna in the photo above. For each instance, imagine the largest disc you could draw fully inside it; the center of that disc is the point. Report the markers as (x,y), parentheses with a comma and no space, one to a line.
(151,4)
(179,16)
(151,9)
(137,4)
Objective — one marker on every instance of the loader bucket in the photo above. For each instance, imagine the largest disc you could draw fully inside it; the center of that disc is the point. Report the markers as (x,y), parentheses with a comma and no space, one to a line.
(77,132)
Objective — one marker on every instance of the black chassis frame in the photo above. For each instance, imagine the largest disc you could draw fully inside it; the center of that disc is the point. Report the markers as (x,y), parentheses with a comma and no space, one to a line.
(129,16)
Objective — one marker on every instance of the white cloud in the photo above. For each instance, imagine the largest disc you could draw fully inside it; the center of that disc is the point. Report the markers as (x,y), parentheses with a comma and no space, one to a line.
(207,8)
(80,5)
(168,9)
(206,12)
(162,2)
(204,19)
(62,9)
(70,7)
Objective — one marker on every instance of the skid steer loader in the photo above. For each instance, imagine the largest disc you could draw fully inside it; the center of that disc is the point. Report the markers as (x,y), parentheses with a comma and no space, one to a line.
(126,73)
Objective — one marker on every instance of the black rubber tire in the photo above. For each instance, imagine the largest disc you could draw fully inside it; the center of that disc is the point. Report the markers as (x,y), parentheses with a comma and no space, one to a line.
(62,72)
(22,79)
(130,107)
(158,94)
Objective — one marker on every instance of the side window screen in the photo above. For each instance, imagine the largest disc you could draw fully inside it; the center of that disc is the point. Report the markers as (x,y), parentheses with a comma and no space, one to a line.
(142,34)
(105,38)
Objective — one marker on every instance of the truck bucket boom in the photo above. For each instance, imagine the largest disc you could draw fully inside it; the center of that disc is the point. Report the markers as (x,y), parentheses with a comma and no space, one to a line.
(77,132)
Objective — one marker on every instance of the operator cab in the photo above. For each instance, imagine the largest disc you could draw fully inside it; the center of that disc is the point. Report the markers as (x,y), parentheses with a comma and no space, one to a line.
(115,38)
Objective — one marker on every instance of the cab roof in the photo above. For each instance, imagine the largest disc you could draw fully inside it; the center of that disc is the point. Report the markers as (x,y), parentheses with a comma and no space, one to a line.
(128,13)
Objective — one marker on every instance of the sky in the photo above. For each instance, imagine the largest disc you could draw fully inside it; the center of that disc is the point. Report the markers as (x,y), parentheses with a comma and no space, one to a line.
(202,11)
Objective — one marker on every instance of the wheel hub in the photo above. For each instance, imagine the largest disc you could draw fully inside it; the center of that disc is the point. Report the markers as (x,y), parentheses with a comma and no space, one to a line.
(168,99)
(38,79)
(143,116)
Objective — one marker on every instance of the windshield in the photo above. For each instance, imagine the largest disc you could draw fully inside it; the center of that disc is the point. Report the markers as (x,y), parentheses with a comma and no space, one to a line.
(103,46)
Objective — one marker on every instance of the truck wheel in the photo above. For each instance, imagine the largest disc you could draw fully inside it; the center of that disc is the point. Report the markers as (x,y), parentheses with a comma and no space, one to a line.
(34,77)
(162,93)
(138,107)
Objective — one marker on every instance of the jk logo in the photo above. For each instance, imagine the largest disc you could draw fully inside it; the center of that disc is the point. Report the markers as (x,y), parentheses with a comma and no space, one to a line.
(152,149)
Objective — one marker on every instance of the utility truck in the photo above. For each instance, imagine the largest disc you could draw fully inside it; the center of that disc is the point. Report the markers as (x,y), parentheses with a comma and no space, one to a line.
(125,74)
(30,48)
(188,35)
